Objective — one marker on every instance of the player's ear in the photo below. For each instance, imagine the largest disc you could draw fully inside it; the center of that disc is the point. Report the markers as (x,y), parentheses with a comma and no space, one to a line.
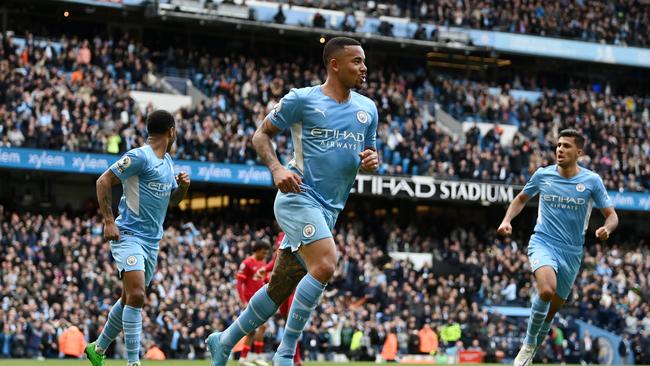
(334,64)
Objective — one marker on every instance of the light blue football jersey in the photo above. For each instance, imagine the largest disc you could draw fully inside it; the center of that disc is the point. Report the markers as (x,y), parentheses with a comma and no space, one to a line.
(565,204)
(327,139)
(147,183)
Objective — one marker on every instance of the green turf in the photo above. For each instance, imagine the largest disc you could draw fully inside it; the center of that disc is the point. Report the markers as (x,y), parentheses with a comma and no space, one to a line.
(186,363)
(189,363)
(147,363)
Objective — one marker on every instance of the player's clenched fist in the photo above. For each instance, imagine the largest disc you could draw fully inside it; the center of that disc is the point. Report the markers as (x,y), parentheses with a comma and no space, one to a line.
(286,180)
(369,160)
(111,231)
(183,179)
(505,229)
(602,233)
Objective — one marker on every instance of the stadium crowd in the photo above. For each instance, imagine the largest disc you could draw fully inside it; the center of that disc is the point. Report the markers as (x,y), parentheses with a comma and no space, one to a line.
(56,272)
(620,22)
(73,95)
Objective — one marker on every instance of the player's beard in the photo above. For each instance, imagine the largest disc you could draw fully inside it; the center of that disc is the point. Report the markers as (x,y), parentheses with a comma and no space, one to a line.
(358,83)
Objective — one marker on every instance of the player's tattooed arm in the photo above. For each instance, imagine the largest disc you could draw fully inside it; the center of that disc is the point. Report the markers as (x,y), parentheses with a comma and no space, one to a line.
(263,144)
(104,186)
(286,180)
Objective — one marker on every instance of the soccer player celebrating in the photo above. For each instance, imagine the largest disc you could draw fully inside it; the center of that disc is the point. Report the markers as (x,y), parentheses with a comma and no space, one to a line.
(567,193)
(334,131)
(250,278)
(149,186)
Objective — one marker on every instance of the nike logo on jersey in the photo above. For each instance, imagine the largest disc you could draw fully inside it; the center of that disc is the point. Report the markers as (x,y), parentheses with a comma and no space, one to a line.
(320,111)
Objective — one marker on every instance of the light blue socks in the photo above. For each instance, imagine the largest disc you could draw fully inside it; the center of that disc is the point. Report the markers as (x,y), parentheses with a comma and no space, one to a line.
(259,310)
(112,328)
(308,293)
(538,313)
(543,331)
(132,322)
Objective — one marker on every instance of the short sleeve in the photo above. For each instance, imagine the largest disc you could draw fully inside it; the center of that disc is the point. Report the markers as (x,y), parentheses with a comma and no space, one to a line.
(287,111)
(371,132)
(171,164)
(130,164)
(600,196)
(243,271)
(532,186)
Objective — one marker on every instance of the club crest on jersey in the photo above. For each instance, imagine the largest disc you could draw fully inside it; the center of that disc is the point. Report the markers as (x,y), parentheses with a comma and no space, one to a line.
(580,187)
(131,260)
(309,230)
(362,116)
(123,163)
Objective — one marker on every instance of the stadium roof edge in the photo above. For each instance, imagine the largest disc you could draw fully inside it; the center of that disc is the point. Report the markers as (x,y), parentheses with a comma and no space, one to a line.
(468,39)
(296,29)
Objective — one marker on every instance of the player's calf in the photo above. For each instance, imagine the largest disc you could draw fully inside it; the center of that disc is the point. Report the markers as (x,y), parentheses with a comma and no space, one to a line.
(287,272)
(134,289)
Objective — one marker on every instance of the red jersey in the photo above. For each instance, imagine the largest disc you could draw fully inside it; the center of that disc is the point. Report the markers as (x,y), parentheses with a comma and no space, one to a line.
(248,281)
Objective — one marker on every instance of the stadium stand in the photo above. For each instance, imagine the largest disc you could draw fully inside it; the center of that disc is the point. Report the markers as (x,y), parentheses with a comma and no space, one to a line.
(73,95)
(57,272)
(622,22)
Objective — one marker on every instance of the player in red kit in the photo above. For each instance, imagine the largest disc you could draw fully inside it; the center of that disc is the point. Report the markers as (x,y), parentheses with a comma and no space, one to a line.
(286,305)
(250,278)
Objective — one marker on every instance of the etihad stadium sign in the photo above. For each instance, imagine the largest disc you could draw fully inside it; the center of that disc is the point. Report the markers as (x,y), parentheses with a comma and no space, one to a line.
(414,187)
(420,187)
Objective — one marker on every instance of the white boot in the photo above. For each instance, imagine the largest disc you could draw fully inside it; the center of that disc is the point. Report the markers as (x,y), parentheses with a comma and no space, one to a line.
(525,355)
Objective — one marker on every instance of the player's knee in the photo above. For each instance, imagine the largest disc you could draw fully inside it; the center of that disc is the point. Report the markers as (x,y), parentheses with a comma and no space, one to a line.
(546,292)
(136,298)
(324,270)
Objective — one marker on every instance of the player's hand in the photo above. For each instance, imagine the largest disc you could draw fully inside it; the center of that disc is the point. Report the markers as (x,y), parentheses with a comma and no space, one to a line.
(505,229)
(183,179)
(110,231)
(369,160)
(286,180)
(602,233)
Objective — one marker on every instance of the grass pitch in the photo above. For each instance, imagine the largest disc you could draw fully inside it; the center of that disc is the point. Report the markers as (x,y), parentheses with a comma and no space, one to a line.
(71,362)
